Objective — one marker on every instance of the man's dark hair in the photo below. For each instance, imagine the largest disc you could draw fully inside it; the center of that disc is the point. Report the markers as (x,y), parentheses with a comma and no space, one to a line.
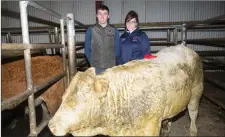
(130,15)
(103,7)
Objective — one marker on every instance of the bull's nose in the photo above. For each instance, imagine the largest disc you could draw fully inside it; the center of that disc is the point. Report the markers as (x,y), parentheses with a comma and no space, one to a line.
(56,130)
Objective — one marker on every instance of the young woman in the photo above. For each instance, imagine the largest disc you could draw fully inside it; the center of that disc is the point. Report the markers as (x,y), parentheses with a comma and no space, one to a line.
(134,44)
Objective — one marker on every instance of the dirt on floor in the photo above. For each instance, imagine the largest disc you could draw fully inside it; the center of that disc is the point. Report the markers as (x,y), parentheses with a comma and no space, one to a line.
(210,122)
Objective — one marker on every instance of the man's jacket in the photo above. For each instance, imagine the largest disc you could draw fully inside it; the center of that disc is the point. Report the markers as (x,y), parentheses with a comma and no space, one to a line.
(102,46)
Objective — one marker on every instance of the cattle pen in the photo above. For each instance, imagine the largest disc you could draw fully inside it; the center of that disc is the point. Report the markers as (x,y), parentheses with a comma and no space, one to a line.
(62,42)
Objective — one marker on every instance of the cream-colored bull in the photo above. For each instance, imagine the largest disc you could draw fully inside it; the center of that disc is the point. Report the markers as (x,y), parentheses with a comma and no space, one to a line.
(132,99)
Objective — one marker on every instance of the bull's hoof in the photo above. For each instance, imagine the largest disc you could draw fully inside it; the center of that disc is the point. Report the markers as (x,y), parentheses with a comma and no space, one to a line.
(164,132)
(193,134)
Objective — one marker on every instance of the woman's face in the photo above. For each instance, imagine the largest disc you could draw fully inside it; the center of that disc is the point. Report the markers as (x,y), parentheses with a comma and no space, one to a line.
(131,25)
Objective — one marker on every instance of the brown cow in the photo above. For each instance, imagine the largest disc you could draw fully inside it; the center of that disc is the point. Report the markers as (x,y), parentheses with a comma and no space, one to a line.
(43,68)
(132,99)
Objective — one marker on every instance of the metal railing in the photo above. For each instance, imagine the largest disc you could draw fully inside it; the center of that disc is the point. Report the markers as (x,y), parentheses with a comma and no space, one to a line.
(27,47)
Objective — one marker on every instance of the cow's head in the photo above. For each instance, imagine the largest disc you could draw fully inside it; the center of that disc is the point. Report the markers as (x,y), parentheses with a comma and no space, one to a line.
(80,104)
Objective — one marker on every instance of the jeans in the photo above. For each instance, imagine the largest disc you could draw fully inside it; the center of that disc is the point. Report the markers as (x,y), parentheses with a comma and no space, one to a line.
(99,70)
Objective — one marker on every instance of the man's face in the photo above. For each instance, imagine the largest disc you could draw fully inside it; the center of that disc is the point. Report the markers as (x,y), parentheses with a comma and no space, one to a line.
(102,16)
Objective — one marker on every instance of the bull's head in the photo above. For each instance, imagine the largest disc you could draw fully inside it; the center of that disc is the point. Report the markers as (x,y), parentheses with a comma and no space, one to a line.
(80,104)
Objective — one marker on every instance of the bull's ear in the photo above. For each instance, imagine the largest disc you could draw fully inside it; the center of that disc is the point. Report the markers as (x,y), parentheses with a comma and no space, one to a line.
(72,85)
(101,85)
(91,71)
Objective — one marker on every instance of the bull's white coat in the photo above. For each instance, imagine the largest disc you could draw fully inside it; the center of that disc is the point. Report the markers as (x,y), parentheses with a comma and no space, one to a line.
(134,98)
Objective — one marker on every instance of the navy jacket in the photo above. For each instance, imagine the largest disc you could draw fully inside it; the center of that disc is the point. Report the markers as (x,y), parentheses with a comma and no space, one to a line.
(133,46)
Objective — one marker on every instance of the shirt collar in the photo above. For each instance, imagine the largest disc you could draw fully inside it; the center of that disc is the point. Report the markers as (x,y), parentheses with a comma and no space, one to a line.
(131,31)
(97,24)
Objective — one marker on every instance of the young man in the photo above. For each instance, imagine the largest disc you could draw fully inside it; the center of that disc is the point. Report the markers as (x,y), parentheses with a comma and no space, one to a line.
(102,42)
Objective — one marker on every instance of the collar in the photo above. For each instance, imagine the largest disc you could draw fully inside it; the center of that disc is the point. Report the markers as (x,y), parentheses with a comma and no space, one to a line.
(131,31)
(98,25)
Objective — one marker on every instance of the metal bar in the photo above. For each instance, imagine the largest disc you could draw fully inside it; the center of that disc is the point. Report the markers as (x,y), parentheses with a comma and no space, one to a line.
(183,34)
(18,46)
(207,21)
(31,29)
(80,43)
(168,35)
(206,67)
(152,24)
(81,63)
(200,53)
(71,46)
(12,14)
(211,53)
(16,100)
(175,36)
(50,36)
(8,38)
(162,43)
(38,101)
(63,53)
(45,32)
(80,55)
(150,28)
(221,39)
(215,82)
(79,23)
(45,113)
(206,44)
(206,30)
(46,29)
(56,32)
(207,27)
(216,18)
(18,29)
(213,64)
(214,61)
(27,59)
(42,125)
(79,48)
(119,26)
(40,7)
(19,53)
(157,39)
(50,41)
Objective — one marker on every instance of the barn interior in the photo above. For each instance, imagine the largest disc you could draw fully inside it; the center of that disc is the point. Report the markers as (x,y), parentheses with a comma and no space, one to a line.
(57,28)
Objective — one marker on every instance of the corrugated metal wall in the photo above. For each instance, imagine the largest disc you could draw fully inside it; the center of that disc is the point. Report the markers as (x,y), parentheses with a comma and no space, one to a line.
(168,11)
(149,11)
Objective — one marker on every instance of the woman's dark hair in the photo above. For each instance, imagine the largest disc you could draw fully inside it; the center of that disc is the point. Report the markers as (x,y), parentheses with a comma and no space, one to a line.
(130,15)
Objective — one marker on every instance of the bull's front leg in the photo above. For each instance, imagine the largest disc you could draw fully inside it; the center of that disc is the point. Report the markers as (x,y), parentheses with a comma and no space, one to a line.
(152,127)
(165,127)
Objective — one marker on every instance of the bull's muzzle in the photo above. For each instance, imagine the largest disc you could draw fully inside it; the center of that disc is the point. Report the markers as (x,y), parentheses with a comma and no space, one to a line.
(55,130)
